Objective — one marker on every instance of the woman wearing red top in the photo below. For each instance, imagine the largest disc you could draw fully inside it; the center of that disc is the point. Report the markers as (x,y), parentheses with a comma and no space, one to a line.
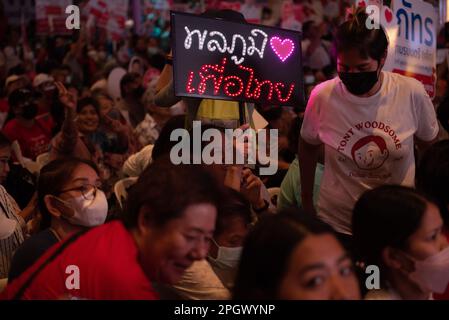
(168,224)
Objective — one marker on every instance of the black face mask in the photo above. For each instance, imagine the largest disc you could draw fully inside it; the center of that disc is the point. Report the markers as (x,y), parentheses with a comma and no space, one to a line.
(359,83)
(29,111)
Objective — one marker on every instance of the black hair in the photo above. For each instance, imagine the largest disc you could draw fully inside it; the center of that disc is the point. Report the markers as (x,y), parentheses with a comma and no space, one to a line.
(225,14)
(307,25)
(432,176)
(267,251)
(163,144)
(236,205)
(52,179)
(353,34)
(19,96)
(4,141)
(127,79)
(385,217)
(86,102)
(164,190)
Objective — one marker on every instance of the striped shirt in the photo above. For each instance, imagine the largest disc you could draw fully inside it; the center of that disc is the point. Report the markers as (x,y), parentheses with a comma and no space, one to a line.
(10,209)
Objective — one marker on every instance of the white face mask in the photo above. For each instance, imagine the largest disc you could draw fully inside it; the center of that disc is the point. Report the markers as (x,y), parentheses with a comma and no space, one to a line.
(432,274)
(88,213)
(227,256)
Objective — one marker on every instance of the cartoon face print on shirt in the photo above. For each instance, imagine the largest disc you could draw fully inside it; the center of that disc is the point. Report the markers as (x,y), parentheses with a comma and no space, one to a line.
(370,152)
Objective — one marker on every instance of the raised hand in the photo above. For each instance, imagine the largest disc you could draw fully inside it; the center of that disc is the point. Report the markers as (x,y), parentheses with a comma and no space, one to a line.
(67,99)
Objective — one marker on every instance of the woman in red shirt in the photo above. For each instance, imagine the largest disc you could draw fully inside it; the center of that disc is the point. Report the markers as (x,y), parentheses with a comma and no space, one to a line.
(168,223)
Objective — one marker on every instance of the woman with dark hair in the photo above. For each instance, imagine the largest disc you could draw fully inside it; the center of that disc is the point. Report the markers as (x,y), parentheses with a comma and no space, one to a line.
(432,178)
(159,238)
(398,230)
(69,201)
(368,121)
(292,256)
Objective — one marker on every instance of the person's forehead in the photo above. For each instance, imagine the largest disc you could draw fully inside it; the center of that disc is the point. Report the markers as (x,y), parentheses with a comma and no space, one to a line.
(317,249)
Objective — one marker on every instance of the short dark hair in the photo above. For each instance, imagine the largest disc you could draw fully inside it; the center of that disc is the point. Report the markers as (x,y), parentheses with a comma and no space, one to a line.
(4,141)
(235,205)
(164,190)
(267,251)
(163,144)
(353,34)
(86,102)
(385,217)
(52,179)
(127,79)
(432,176)
(307,25)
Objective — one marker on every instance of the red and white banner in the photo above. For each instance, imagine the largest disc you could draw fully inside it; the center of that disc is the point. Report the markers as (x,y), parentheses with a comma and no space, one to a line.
(411,27)
(51,17)
(110,15)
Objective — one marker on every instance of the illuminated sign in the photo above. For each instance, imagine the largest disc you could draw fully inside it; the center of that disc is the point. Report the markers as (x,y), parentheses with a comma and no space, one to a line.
(218,59)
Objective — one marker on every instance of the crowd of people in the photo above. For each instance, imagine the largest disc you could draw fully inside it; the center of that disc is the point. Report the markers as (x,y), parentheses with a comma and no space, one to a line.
(93,207)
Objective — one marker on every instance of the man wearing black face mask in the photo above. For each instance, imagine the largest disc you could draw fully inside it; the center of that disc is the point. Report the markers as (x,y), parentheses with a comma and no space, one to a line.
(368,120)
(131,103)
(32,133)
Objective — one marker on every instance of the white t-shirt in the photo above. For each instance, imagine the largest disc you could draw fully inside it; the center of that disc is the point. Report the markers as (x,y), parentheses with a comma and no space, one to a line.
(368,141)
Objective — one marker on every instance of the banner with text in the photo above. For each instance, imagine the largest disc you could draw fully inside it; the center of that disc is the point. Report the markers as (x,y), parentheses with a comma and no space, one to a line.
(226,60)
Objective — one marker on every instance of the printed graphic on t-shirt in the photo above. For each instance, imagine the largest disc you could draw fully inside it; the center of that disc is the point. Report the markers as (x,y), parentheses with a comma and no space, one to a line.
(370,144)
(370,152)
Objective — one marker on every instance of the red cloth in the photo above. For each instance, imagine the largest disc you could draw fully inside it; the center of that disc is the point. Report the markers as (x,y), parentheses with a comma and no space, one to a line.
(107,259)
(4,106)
(33,140)
(445,295)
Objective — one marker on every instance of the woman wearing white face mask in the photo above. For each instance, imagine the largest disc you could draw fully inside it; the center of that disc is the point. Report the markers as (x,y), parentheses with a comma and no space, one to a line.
(70,201)
(233,225)
(400,231)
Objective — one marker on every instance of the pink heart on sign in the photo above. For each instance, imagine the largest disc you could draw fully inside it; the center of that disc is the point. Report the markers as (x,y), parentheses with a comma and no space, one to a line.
(282,48)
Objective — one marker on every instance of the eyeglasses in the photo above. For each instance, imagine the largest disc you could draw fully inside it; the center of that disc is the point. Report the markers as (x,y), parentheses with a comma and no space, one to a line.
(88,191)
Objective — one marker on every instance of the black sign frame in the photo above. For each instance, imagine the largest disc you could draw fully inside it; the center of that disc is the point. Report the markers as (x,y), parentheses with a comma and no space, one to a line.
(298,94)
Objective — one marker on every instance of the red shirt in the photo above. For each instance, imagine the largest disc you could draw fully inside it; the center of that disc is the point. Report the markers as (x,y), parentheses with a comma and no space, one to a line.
(107,260)
(33,140)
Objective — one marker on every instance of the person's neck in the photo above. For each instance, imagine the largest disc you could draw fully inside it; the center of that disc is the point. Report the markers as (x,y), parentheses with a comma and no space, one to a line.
(142,247)
(64,229)
(375,88)
(407,289)
(25,122)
